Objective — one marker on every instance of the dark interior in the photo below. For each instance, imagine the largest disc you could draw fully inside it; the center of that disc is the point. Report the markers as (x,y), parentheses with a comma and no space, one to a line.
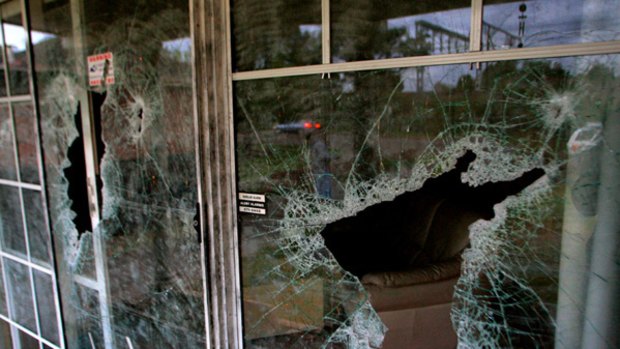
(419,228)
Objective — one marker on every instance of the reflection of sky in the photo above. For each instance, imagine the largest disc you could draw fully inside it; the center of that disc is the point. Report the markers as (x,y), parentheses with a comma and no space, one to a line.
(453,20)
(182,47)
(457,21)
(312,29)
(555,22)
(548,22)
(449,75)
(15,36)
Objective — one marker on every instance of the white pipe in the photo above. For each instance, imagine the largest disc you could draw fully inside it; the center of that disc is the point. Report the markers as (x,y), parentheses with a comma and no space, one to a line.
(601,328)
(582,176)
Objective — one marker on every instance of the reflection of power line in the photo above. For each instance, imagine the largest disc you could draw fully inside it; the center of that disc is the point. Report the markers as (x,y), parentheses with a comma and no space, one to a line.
(442,40)
(437,40)
(492,31)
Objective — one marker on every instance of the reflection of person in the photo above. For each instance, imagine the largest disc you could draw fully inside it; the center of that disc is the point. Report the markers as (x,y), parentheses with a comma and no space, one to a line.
(319,161)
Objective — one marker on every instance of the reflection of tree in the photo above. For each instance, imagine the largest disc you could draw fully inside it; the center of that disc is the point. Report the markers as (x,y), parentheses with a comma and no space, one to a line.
(268,34)
(360,33)
(351,103)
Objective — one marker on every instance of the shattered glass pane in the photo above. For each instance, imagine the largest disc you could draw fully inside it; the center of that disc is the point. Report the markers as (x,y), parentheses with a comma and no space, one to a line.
(371,29)
(58,108)
(533,23)
(136,277)
(428,206)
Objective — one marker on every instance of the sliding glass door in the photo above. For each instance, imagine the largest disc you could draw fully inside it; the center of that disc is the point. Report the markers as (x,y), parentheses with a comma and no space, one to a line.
(400,188)
(116,109)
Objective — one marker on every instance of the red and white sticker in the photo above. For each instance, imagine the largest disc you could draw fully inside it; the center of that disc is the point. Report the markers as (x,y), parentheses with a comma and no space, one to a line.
(100,68)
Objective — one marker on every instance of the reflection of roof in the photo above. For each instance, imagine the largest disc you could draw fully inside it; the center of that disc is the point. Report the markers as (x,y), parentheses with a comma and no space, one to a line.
(439,29)
(495,29)
(398,9)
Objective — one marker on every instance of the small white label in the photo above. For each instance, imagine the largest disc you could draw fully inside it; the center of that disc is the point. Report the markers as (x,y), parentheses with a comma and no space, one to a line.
(100,66)
(253,210)
(252,197)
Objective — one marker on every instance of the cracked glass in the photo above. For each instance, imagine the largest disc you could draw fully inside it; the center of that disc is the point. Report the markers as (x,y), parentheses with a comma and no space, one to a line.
(436,206)
(128,256)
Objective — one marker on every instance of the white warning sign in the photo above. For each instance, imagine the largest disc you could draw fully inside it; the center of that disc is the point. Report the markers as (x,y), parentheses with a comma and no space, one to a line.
(253,210)
(252,203)
(252,197)
(100,68)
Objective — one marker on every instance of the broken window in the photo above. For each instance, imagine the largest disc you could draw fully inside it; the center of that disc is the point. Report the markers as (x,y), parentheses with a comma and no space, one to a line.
(29,309)
(383,187)
(429,206)
(121,172)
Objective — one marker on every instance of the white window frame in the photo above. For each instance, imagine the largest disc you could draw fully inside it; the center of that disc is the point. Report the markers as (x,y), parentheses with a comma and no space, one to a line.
(474,56)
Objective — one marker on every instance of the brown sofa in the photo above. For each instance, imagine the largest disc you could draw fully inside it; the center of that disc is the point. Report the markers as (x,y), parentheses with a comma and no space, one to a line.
(407,251)
(415,305)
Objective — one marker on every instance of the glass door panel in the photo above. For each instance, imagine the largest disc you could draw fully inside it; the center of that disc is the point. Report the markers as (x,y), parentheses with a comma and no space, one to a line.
(420,206)
(116,109)
(30,305)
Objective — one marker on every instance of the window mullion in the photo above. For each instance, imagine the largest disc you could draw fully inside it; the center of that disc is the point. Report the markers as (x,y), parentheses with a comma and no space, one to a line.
(326,32)
(475,32)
